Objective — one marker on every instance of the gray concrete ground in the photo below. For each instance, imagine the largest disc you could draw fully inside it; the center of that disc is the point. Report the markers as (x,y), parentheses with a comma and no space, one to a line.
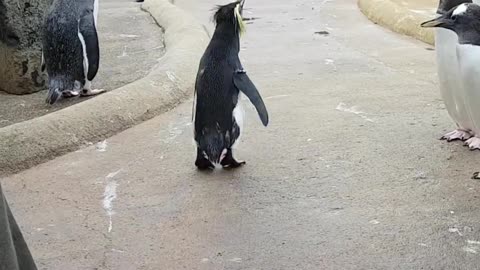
(349,175)
(131,44)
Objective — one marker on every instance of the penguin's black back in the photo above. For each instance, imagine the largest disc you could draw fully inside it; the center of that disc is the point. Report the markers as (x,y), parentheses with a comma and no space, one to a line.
(62,48)
(216,93)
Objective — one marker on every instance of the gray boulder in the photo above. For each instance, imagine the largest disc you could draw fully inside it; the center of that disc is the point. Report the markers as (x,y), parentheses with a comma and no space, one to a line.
(21,45)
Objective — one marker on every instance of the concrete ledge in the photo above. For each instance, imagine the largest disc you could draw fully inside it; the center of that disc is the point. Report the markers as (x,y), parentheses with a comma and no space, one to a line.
(397,18)
(29,143)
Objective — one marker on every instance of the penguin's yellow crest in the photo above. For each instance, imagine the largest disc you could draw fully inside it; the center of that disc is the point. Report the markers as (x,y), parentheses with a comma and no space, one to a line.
(238,16)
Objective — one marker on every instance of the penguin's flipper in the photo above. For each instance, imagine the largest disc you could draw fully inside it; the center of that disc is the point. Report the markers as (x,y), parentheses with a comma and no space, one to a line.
(194,106)
(246,86)
(92,49)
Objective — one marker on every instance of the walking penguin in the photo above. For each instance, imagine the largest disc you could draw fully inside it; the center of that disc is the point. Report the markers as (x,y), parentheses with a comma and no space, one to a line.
(464,20)
(71,52)
(450,83)
(217,114)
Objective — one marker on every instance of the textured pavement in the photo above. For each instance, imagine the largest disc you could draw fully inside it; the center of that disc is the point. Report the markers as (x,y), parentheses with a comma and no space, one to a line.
(350,173)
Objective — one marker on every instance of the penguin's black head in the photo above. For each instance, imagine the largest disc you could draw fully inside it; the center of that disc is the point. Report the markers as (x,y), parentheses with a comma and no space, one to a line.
(464,20)
(444,6)
(231,14)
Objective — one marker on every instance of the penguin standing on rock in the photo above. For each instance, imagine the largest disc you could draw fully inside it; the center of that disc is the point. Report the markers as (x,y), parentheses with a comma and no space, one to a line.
(464,20)
(221,78)
(71,52)
(449,76)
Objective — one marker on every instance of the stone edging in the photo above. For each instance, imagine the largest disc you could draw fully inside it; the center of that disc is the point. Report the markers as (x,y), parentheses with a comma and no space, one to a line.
(397,18)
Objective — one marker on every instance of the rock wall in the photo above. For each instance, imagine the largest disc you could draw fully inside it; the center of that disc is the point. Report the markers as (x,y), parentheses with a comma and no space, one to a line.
(20,65)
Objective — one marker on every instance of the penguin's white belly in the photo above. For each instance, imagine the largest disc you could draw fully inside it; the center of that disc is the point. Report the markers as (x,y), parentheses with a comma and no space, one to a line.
(450,78)
(239,116)
(469,59)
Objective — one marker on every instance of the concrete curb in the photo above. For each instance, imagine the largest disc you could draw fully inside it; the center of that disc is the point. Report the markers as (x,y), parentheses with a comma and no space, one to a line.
(32,142)
(397,18)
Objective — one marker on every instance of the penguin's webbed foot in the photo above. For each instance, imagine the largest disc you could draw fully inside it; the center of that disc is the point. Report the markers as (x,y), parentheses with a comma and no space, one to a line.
(91,92)
(473,143)
(229,162)
(234,164)
(458,134)
(202,163)
(70,93)
(241,71)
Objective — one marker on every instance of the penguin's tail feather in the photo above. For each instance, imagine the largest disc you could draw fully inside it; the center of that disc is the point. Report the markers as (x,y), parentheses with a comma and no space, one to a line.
(55,89)
(53,96)
(213,143)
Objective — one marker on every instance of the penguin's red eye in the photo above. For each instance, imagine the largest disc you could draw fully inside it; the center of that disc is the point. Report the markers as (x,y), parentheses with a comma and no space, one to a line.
(454,17)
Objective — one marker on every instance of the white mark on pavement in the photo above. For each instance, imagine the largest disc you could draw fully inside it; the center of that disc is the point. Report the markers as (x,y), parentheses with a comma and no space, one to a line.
(124,52)
(109,195)
(470,250)
(171,76)
(204,260)
(237,260)
(354,109)
(128,36)
(472,247)
(102,146)
(117,250)
(422,244)
(148,50)
(331,62)
(374,222)
(455,230)
(175,130)
(278,96)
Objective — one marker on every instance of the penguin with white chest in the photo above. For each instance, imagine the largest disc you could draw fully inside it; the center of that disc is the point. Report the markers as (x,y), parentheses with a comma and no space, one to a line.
(221,78)
(464,20)
(71,52)
(449,76)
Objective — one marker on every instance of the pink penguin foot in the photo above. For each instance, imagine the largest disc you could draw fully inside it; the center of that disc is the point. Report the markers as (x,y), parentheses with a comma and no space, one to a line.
(457,134)
(473,143)
(70,93)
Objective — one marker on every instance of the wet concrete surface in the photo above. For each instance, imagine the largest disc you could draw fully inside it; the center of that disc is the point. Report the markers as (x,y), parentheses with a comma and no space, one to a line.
(349,174)
(131,44)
